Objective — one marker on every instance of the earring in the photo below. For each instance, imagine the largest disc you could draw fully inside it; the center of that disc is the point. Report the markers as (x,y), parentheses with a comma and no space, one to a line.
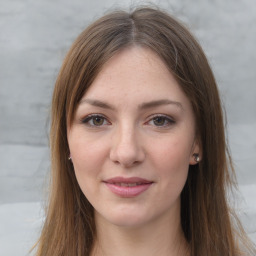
(69,158)
(196,157)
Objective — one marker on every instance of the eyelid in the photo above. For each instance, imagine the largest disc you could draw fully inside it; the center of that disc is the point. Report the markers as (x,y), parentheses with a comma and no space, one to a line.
(170,120)
(85,120)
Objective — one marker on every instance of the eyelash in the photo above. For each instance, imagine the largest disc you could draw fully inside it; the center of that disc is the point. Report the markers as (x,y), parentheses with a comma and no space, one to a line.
(168,121)
(92,118)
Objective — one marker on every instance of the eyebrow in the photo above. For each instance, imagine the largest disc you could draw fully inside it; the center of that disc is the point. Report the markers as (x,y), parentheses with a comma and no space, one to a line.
(156,103)
(145,105)
(97,103)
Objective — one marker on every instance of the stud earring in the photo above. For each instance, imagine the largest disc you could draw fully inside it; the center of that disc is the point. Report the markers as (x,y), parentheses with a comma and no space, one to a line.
(196,157)
(69,158)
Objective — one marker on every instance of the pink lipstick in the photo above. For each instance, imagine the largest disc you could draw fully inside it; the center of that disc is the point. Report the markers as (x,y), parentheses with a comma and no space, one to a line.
(127,187)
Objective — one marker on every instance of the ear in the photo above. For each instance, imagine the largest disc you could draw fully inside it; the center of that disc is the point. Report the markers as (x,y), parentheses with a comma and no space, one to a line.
(196,153)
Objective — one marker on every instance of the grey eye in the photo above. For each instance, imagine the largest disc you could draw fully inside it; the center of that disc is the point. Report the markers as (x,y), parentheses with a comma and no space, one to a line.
(95,120)
(98,120)
(160,121)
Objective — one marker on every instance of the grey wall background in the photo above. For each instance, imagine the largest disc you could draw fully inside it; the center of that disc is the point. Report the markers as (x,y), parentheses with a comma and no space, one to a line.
(34,37)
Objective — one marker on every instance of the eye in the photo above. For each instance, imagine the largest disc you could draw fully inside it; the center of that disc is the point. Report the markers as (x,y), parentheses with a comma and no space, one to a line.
(161,121)
(95,120)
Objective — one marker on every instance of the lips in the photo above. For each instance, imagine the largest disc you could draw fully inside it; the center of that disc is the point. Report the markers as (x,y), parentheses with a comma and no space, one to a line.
(128,187)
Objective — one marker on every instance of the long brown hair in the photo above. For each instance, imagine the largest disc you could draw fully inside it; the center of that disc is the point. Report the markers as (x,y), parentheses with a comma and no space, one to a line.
(206,219)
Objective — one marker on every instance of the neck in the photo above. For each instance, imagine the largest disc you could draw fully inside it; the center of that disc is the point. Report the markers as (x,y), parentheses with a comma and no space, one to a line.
(164,237)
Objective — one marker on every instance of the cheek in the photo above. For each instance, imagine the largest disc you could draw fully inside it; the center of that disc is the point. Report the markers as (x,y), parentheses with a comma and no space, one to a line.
(88,156)
(171,158)
(87,161)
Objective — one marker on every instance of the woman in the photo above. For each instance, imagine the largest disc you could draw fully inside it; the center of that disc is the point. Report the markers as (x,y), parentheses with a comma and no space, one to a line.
(139,160)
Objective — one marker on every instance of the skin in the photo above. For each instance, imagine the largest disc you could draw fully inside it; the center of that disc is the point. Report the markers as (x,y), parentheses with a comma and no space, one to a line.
(127,139)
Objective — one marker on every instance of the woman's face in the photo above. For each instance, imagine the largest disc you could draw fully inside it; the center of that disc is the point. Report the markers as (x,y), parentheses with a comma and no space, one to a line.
(132,140)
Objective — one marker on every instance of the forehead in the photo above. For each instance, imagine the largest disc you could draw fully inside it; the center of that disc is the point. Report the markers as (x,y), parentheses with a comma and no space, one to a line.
(135,74)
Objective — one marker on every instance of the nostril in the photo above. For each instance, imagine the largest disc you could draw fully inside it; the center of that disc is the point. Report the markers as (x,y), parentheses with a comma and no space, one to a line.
(127,159)
(126,149)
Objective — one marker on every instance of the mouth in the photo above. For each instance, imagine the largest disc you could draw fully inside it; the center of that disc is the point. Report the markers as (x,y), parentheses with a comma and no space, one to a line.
(128,184)
(128,187)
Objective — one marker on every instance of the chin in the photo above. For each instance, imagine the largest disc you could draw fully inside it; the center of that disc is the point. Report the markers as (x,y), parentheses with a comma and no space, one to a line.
(125,219)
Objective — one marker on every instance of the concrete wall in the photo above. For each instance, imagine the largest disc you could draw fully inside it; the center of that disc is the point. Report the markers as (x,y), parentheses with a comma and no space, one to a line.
(35,36)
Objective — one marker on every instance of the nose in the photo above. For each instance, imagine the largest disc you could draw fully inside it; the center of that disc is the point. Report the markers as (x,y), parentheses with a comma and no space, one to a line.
(126,149)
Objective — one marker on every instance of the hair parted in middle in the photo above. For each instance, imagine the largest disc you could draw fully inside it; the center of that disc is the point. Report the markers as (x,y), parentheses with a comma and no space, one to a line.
(69,228)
